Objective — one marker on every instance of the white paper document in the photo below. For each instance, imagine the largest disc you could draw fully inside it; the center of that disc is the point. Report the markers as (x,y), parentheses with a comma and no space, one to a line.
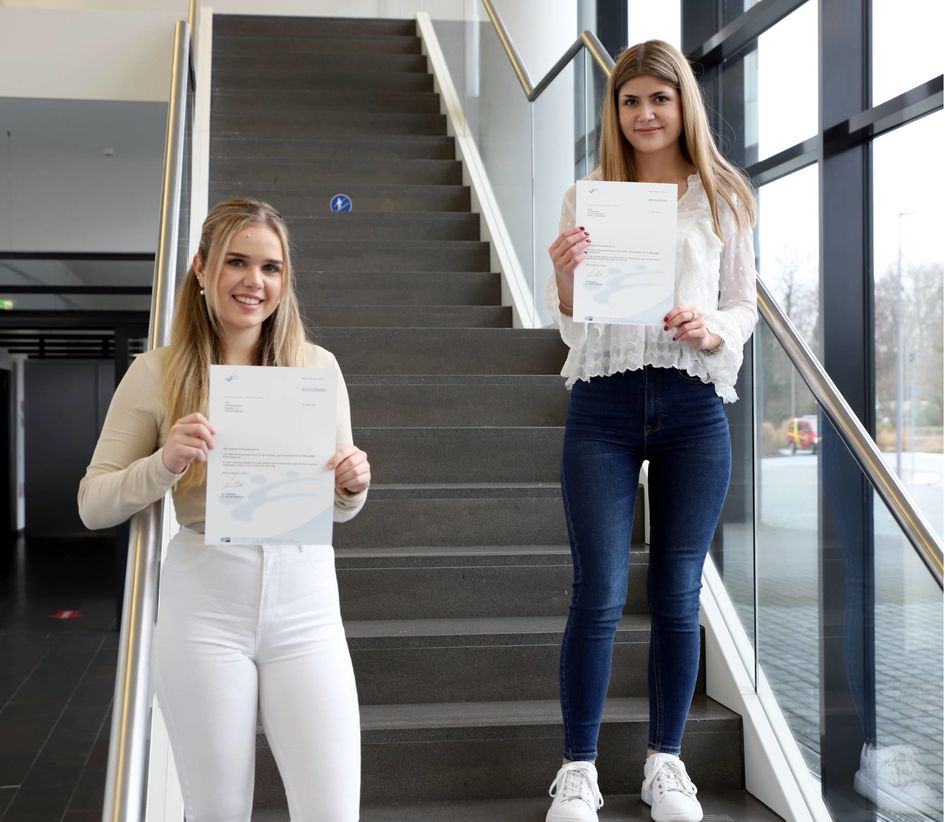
(266,475)
(628,275)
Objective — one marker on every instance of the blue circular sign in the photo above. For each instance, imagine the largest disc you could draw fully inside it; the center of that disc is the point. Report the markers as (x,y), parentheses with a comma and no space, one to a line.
(341,202)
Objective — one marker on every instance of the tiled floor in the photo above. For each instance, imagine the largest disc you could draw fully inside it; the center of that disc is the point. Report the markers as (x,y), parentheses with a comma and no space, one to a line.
(56,678)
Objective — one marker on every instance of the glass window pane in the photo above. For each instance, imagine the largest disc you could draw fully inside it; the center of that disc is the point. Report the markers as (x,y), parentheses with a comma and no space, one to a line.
(908,249)
(787,82)
(788,246)
(906,48)
(773,89)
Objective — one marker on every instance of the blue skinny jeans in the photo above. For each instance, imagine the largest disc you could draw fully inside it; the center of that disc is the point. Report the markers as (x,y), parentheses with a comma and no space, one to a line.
(614,423)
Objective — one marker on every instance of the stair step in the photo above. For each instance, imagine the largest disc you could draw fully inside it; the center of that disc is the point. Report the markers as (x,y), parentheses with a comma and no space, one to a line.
(328,123)
(467,583)
(404,288)
(252,25)
(278,101)
(353,226)
(316,201)
(454,515)
(379,316)
(321,80)
(399,516)
(509,750)
(719,806)
(480,659)
(479,400)
(342,46)
(444,455)
(443,351)
(422,147)
(294,175)
(392,255)
(229,70)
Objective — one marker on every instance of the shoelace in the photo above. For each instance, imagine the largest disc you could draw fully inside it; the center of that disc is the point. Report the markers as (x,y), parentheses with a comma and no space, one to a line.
(574,783)
(670,776)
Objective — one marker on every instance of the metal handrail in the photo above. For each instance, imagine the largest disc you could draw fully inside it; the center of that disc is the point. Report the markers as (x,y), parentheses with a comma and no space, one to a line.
(856,438)
(125,789)
(587,40)
(916,527)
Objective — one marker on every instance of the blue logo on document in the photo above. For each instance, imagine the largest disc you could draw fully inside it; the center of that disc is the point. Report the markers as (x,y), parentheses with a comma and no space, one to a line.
(341,202)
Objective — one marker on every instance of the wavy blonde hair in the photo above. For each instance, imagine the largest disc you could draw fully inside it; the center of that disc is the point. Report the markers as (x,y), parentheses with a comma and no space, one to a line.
(197,337)
(656,58)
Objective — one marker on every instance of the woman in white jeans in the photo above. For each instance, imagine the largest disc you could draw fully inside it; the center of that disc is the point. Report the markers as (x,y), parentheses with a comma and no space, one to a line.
(238,625)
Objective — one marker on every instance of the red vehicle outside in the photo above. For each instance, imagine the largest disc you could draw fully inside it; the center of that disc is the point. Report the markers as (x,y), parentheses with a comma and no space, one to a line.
(802,434)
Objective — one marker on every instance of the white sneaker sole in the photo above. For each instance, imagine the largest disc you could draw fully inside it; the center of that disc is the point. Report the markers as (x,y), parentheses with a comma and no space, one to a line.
(658,815)
(890,802)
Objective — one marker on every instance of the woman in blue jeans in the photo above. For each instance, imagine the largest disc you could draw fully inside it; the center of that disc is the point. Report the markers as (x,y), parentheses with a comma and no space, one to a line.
(650,393)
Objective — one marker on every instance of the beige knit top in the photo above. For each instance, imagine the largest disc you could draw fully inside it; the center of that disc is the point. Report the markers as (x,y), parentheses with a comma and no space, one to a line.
(127,471)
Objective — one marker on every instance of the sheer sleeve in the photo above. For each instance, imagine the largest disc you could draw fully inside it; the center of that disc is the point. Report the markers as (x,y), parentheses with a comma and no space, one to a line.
(734,319)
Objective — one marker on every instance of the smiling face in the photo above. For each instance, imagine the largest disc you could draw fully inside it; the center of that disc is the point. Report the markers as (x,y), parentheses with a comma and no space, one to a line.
(650,114)
(250,281)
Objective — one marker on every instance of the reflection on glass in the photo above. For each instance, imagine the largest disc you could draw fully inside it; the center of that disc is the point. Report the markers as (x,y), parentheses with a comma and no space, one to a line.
(788,644)
(780,85)
(908,281)
(849,620)
(906,46)
(903,775)
(789,248)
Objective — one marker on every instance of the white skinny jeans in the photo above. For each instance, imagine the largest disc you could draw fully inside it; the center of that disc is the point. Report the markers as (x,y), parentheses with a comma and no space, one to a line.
(241,625)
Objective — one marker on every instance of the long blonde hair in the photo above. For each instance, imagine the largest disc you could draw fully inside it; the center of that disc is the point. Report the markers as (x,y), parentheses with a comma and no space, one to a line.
(656,58)
(196,336)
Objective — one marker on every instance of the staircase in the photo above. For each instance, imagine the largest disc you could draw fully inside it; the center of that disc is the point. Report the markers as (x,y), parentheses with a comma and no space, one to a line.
(455,576)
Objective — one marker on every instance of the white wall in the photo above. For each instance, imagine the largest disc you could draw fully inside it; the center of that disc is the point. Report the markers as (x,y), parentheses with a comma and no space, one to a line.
(85,55)
(315,8)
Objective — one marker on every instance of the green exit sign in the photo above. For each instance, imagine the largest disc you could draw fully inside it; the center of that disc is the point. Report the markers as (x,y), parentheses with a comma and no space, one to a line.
(6,305)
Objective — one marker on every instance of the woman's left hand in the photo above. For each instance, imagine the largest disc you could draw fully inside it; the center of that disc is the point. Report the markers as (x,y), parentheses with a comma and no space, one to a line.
(352,469)
(688,324)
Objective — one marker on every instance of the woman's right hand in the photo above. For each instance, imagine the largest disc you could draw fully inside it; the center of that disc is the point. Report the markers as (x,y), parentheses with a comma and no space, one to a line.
(188,440)
(566,253)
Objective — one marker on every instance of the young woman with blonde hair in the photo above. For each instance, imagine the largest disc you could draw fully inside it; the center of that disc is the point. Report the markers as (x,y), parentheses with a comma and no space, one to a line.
(649,393)
(239,626)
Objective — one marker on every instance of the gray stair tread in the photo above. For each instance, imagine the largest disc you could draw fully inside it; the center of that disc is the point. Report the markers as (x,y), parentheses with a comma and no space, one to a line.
(719,806)
(463,555)
(454,379)
(252,24)
(450,554)
(483,715)
(331,314)
(344,44)
(374,199)
(631,626)
(316,147)
(479,490)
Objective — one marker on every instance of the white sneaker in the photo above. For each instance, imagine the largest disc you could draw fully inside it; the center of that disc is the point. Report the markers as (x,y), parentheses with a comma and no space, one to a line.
(576,795)
(669,791)
(893,780)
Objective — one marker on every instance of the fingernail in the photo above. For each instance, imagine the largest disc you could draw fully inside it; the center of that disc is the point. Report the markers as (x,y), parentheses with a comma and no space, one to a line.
(588,242)
(582,228)
(587,233)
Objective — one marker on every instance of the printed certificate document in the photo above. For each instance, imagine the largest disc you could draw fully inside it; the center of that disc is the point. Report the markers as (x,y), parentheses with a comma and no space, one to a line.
(628,275)
(266,475)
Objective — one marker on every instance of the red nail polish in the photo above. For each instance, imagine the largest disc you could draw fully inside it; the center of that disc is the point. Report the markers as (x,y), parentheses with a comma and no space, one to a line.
(582,228)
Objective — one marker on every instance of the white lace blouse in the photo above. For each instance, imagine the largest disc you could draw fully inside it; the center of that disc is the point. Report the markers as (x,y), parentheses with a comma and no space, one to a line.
(718,277)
